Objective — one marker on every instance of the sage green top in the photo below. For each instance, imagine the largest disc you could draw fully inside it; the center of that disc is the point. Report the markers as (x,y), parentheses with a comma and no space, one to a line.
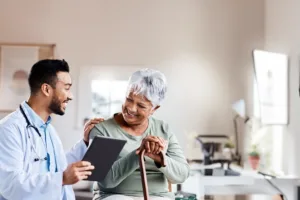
(124,177)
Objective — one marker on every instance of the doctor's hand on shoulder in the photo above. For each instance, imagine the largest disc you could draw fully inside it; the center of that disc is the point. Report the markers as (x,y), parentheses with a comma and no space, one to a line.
(76,172)
(88,127)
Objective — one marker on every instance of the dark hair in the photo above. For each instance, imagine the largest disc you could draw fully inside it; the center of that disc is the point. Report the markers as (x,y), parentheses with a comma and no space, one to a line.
(45,71)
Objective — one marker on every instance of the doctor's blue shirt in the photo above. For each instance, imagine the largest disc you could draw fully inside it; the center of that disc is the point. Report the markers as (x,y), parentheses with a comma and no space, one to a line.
(45,135)
(24,173)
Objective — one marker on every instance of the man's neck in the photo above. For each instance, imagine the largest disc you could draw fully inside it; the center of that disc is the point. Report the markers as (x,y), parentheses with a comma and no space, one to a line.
(38,107)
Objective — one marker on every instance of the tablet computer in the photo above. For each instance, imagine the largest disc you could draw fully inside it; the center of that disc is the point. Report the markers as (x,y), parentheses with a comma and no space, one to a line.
(102,153)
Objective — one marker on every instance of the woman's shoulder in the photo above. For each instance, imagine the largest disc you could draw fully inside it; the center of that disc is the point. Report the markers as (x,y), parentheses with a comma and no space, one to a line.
(107,122)
(160,125)
(103,128)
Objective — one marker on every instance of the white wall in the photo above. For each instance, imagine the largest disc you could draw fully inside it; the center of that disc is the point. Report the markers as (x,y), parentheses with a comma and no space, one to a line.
(282,34)
(204,47)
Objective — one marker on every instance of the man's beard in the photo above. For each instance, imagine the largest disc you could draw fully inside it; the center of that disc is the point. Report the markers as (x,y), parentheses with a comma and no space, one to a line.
(55,106)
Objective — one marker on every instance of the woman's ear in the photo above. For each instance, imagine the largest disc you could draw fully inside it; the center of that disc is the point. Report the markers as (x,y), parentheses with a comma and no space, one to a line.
(154,109)
(157,107)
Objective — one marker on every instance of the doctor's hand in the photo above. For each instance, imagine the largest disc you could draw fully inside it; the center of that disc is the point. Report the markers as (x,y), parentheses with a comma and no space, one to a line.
(76,172)
(88,127)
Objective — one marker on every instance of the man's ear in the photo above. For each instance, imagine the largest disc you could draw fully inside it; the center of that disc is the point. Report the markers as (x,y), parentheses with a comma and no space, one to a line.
(46,89)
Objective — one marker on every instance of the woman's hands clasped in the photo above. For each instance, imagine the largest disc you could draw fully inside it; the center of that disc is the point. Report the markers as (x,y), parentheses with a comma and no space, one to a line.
(153,145)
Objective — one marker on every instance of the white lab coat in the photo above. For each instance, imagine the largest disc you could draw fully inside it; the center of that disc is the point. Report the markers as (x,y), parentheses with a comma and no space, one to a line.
(20,177)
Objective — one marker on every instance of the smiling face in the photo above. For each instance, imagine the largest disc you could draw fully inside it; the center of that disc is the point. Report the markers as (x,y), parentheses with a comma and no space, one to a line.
(137,109)
(61,94)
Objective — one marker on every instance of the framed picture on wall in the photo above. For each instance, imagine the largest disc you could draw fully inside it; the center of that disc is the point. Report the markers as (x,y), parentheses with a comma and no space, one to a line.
(16,61)
(271,72)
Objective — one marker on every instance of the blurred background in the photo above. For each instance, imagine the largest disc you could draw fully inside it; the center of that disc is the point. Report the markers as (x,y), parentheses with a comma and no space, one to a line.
(217,84)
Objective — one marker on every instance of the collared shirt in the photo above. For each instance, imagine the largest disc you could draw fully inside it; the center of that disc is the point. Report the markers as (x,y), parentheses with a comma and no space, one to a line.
(21,176)
(36,120)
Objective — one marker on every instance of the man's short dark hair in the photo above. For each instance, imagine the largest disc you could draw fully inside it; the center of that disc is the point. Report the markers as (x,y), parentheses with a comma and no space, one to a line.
(45,71)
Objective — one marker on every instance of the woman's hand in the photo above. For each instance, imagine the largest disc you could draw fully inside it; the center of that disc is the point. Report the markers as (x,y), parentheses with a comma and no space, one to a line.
(153,145)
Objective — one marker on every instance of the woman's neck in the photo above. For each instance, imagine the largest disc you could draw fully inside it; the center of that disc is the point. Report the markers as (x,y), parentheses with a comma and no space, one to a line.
(135,129)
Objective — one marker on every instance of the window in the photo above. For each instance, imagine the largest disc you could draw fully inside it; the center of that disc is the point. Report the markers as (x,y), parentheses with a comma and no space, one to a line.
(107,97)
(101,91)
(269,140)
(270,107)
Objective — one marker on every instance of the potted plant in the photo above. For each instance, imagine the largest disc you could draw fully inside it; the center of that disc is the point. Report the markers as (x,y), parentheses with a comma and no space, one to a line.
(254,157)
(229,145)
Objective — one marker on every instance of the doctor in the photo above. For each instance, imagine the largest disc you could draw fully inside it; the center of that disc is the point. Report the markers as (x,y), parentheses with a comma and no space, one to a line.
(33,165)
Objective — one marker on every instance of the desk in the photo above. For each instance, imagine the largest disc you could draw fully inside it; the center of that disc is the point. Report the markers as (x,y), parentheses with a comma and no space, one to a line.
(248,183)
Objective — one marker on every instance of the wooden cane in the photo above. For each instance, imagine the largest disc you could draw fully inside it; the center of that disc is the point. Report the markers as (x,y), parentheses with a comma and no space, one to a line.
(143,172)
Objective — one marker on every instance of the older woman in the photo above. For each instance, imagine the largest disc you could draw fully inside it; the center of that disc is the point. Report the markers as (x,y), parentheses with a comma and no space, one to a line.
(146,91)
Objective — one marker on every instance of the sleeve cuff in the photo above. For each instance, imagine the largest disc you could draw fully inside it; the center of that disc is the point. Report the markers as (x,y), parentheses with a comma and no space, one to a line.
(77,152)
(81,147)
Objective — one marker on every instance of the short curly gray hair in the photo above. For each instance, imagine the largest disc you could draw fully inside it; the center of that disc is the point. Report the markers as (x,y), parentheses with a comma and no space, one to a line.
(150,83)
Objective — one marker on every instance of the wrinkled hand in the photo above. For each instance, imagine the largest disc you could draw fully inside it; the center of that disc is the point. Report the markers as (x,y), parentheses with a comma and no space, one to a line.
(153,145)
(88,127)
(76,172)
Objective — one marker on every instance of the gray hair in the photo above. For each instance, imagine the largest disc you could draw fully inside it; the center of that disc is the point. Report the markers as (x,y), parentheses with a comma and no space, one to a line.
(150,83)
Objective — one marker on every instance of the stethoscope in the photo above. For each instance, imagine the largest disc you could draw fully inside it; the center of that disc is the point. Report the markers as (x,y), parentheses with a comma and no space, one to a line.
(29,125)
